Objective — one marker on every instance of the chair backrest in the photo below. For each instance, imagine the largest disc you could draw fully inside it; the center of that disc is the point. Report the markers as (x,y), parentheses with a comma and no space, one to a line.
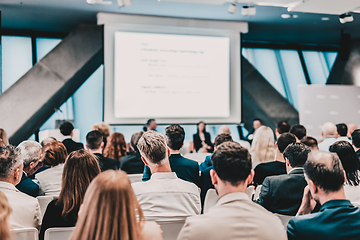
(198,157)
(210,199)
(24,234)
(284,219)
(171,229)
(250,192)
(135,177)
(257,192)
(44,202)
(63,233)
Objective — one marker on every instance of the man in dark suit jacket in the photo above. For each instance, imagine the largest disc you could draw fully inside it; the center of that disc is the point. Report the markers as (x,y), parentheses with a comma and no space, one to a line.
(95,144)
(337,218)
(184,168)
(355,138)
(66,129)
(132,163)
(283,193)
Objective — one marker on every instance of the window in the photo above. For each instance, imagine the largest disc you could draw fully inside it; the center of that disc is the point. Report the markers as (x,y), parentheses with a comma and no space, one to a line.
(319,65)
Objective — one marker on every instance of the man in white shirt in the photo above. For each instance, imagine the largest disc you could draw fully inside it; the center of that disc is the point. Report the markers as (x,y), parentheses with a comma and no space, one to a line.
(329,133)
(164,197)
(25,209)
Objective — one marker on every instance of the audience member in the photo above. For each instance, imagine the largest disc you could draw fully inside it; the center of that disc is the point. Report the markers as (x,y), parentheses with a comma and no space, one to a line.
(351,165)
(299,131)
(95,144)
(3,138)
(54,156)
(263,146)
(116,147)
(184,168)
(337,218)
(132,163)
(283,193)
(226,129)
(311,142)
(111,212)
(25,209)
(257,123)
(80,168)
(282,127)
(67,129)
(164,197)
(355,138)
(351,128)
(328,133)
(104,129)
(202,139)
(30,155)
(234,216)
(5,213)
(151,125)
(47,140)
(342,131)
(278,166)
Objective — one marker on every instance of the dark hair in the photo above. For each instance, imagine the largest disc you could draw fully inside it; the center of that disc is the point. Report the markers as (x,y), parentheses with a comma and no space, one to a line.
(342,129)
(299,131)
(284,140)
(10,158)
(297,154)
(221,138)
(355,137)
(325,173)
(55,153)
(197,126)
(135,139)
(231,162)
(94,139)
(66,128)
(148,123)
(283,127)
(349,160)
(258,119)
(175,136)
(309,141)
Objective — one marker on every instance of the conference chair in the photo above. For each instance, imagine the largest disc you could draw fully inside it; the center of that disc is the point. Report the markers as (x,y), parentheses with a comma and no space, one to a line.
(284,219)
(210,199)
(62,233)
(171,229)
(198,157)
(135,177)
(257,192)
(44,202)
(24,234)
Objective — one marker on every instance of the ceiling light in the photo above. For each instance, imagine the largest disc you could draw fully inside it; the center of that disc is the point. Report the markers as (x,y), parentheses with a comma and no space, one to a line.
(232,8)
(345,18)
(248,10)
(285,15)
(122,3)
(325,18)
(99,2)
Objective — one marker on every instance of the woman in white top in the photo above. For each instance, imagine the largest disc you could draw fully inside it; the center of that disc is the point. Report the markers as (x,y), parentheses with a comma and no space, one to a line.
(53,156)
(351,164)
(263,146)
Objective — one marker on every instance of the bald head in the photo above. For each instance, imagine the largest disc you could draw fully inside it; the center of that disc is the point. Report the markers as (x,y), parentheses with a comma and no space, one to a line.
(329,130)
(224,129)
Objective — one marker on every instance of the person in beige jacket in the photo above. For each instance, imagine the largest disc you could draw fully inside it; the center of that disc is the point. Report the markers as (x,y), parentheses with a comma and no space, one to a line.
(234,216)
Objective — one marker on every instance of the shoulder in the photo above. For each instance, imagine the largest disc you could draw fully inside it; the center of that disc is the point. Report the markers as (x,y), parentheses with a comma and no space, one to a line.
(189,161)
(151,231)
(188,186)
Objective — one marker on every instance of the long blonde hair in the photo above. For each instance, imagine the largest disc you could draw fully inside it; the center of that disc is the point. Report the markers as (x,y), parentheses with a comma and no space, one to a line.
(5,211)
(3,138)
(110,210)
(263,145)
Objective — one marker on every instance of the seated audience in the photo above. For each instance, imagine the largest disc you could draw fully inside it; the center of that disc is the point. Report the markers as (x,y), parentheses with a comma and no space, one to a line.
(164,197)
(5,213)
(116,147)
(282,127)
(299,131)
(104,129)
(329,133)
(54,156)
(283,193)
(132,163)
(95,144)
(43,167)
(337,218)
(202,139)
(80,168)
(342,131)
(184,168)
(150,125)
(3,138)
(30,155)
(355,139)
(351,165)
(234,216)
(278,166)
(351,128)
(226,129)
(110,211)
(47,140)
(257,123)
(311,142)
(66,129)
(25,209)
(263,146)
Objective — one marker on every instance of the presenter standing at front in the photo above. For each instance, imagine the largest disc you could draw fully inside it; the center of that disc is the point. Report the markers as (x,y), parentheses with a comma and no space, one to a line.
(202,139)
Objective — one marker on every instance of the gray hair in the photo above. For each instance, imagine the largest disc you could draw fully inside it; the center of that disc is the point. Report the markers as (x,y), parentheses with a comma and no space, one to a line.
(29,151)
(152,146)
(9,160)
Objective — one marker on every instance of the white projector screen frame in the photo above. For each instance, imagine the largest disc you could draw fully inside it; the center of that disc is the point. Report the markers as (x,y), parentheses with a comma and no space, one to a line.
(163,25)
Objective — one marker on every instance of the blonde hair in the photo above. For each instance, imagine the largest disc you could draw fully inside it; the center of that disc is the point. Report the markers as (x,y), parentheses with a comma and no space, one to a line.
(103,128)
(5,212)
(110,210)
(263,145)
(3,138)
(152,146)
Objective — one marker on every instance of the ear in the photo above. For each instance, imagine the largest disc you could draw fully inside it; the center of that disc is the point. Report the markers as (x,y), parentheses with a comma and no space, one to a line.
(345,178)
(287,162)
(18,174)
(145,162)
(313,187)
(276,130)
(87,147)
(276,145)
(250,178)
(168,150)
(102,145)
(214,177)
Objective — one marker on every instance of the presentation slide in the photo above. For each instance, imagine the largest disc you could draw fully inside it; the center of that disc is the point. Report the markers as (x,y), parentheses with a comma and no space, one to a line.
(171,76)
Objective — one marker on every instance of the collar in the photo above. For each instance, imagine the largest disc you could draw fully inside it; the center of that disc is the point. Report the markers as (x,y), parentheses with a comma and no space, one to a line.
(164,175)
(9,186)
(296,170)
(25,174)
(335,204)
(67,137)
(175,155)
(230,197)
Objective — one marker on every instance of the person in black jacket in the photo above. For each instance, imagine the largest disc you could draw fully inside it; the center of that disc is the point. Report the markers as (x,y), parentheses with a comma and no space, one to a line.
(355,138)
(95,144)
(202,139)
(66,129)
(132,163)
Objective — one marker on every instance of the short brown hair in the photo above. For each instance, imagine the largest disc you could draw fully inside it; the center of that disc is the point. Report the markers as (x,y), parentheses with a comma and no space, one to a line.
(221,138)
(309,141)
(152,146)
(54,153)
(135,139)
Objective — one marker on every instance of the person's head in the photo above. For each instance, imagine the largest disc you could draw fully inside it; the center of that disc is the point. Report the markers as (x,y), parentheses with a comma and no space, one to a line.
(263,145)
(349,160)
(135,139)
(80,168)
(54,153)
(282,127)
(201,126)
(11,165)
(224,129)
(342,130)
(351,128)
(285,140)
(174,135)
(299,131)
(221,138)
(5,212)
(311,142)
(116,147)
(153,149)
(66,128)
(355,138)
(104,129)
(296,155)
(324,174)
(3,138)
(94,141)
(110,210)
(329,130)
(151,124)
(30,154)
(257,123)
(47,140)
